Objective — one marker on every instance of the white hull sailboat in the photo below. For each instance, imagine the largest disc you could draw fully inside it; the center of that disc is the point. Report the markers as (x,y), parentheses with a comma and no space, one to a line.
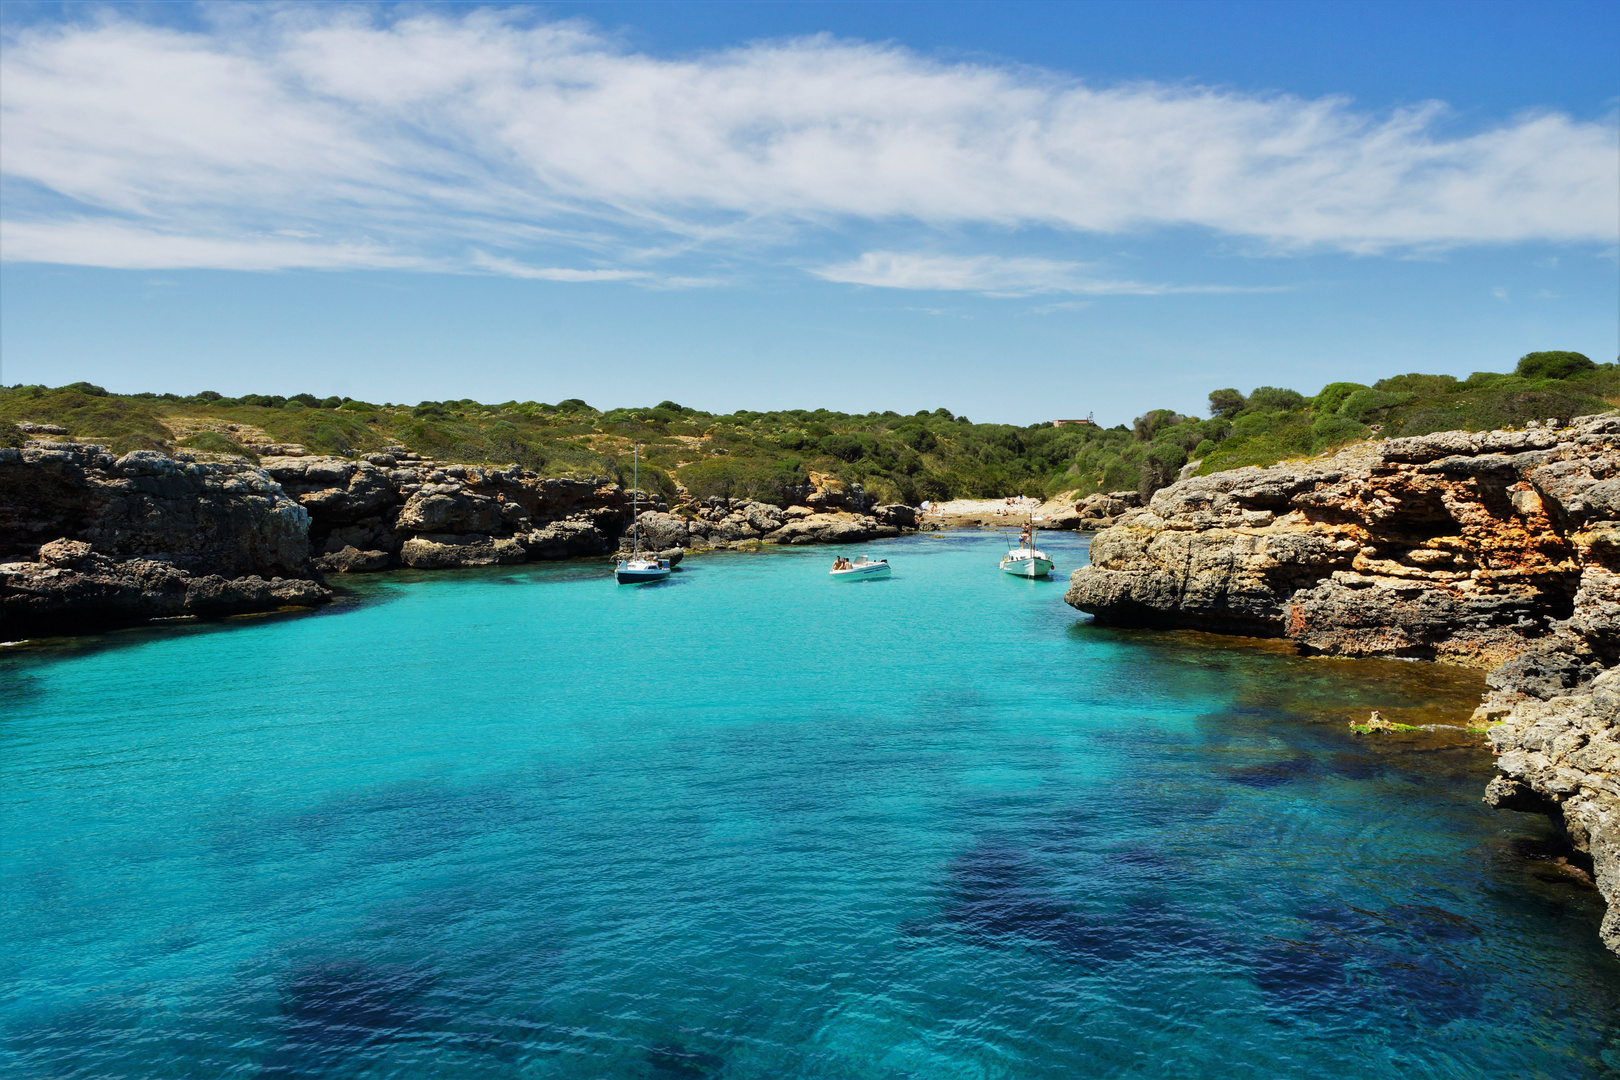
(638,569)
(1025,560)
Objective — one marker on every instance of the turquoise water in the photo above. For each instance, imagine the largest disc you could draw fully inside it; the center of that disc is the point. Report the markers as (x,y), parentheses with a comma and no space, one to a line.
(752,823)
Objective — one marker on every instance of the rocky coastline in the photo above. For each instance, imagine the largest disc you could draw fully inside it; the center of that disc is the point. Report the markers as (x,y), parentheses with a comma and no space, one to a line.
(1497,550)
(90,539)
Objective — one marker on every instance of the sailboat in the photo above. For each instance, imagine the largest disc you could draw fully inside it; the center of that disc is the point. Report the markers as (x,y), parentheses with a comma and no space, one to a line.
(1027,561)
(638,569)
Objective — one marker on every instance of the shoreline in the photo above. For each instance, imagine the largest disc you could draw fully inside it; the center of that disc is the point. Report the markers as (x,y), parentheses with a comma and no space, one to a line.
(1497,550)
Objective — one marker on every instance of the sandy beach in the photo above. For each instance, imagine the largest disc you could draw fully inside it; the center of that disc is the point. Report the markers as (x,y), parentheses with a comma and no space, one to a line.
(998,512)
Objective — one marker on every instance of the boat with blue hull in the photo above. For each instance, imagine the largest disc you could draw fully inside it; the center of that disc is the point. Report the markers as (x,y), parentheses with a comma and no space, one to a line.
(638,569)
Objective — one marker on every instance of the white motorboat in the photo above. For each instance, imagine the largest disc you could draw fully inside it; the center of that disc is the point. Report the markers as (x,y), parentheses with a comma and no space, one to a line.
(862,569)
(638,569)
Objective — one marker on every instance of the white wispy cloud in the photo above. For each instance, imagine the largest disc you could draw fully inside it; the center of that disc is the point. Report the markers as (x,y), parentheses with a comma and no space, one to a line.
(89,242)
(512,268)
(997,276)
(339,136)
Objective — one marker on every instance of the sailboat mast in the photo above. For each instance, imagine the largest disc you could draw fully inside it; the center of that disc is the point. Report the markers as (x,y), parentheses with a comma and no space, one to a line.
(635,514)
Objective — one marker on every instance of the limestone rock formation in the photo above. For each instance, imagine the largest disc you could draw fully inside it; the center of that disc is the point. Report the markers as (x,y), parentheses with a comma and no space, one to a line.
(718,521)
(1460,546)
(91,539)
(171,536)
(72,588)
(351,560)
(1558,742)
(202,517)
(1495,549)
(444,551)
(1101,510)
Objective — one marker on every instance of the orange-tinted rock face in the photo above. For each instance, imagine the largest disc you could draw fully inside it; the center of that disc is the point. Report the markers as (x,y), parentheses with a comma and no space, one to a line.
(1499,549)
(1462,547)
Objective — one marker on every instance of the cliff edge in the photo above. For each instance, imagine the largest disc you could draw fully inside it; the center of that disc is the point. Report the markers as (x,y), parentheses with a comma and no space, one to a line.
(1496,549)
(90,539)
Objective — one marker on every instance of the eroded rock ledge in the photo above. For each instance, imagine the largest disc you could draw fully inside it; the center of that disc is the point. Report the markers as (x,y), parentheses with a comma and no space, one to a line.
(89,539)
(1495,549)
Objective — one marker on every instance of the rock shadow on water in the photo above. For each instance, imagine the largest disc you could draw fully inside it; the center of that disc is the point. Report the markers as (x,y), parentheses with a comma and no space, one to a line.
(996,897)
(1270,774)
(330,1010)
(676,1061)
(1354,963)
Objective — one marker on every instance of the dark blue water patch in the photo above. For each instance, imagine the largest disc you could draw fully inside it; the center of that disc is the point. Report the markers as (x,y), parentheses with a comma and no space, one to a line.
(1398,962)
(997,896)
(1269,774)
(347,1003)
(994,898)
(677,1061)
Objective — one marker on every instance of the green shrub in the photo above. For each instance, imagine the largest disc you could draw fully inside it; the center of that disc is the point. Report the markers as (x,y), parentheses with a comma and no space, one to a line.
(1333,395)
(213,442)
(1275,398)
(1365,404)
(1552,365)
(843,447)
(1330,431)
(1414,383)
(777,482)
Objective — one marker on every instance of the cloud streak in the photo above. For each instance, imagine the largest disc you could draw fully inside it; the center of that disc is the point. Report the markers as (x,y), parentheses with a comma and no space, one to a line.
(344,138)
(996,275)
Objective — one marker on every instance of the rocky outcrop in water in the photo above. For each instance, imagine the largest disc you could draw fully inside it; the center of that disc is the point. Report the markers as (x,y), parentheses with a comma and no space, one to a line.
(88,538)
(1495,549)
(1459,546)
(400,509)
(70,588)
(1554,719)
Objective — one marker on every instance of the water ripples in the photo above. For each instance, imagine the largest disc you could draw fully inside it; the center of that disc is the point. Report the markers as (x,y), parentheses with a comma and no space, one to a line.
(526,824)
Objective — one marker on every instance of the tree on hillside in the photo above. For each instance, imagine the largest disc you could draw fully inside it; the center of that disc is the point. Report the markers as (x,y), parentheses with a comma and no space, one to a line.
(1226,403)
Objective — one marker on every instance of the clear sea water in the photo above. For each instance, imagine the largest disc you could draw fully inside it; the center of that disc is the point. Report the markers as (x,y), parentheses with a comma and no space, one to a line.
(753,823)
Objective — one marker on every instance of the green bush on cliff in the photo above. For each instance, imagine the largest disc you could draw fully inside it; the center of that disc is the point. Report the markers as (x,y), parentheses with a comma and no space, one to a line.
(213,442)
(123,423)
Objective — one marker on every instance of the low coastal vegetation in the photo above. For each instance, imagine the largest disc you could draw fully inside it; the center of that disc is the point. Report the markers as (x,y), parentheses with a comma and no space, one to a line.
(768,456)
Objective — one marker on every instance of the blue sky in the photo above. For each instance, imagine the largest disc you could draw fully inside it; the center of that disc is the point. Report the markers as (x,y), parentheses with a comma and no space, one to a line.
(1013,211)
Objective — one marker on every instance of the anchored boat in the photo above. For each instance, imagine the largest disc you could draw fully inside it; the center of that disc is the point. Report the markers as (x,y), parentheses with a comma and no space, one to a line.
(638,569)
(862,569)
(1026,560)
